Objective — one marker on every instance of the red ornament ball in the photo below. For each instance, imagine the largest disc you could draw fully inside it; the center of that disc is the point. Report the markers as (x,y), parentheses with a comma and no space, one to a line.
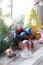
(20,29)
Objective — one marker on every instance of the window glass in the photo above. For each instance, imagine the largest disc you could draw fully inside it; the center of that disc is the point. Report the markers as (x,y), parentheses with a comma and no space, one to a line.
(22,7)
(15,8)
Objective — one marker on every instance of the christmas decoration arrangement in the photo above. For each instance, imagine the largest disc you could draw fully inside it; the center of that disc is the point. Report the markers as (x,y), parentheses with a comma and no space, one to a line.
(18,37)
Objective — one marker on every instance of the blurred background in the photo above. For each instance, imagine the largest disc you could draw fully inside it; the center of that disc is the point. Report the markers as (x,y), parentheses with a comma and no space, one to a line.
(12,9)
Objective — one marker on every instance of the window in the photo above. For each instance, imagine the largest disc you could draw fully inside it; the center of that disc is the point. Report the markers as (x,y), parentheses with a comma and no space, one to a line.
(5,5)
(15,8)
(22,7)
(33,22)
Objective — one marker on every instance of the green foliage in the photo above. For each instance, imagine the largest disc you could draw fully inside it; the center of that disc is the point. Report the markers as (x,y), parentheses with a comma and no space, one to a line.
(1,37)
(4,28)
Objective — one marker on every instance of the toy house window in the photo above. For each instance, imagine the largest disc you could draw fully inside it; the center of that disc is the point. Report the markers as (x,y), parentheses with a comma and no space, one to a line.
(33,22)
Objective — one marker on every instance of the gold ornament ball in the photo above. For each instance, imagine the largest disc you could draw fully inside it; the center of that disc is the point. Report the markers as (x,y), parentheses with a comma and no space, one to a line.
(9,52)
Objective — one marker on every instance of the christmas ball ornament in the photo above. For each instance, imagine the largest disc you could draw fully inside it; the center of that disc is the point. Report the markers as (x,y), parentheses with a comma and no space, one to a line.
(9,52)
(23,34)
(26,45)
(38,35)
(26,49)
(29,30)
(20,29)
